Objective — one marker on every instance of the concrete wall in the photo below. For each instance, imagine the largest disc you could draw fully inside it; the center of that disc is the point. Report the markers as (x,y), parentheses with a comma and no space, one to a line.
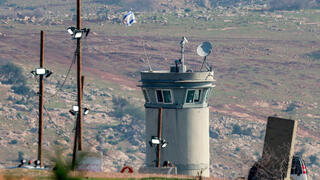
(187,134)
(279,146)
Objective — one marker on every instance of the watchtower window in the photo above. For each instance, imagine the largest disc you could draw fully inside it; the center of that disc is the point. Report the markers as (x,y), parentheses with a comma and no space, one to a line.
(167,96)
(146,95)
(197,95)
(164,96)
(207,95)
(193,96)
(159,96)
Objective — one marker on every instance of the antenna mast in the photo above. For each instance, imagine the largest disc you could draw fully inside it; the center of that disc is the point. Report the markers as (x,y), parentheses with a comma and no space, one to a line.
(182,43)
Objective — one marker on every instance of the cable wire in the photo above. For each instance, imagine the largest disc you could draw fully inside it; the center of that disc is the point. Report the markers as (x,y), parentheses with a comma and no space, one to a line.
(67,75)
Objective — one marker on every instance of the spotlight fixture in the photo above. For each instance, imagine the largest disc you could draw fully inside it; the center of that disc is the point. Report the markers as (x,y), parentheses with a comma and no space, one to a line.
(37,162)
(155,140)
(73,112)
(85,111)
(77,33)
(41,72)
(164,143)
(75,108)
(48,73)
(71,30)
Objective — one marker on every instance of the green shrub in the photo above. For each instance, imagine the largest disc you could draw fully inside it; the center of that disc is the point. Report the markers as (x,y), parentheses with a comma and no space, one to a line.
(21,89)
(314,159)
(13,142)
(289,4)
(122,107)
(247,132)
(236,129)
(12,74)
(237,149)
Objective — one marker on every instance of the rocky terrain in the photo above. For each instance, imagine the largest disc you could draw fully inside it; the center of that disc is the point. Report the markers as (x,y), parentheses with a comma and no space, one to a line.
(265,63)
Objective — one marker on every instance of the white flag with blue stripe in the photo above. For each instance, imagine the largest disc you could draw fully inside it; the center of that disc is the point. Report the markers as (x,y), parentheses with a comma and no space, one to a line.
(129,18)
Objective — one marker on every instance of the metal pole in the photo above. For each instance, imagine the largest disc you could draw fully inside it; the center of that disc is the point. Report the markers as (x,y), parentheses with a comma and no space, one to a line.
(159,136)
(79,69)
(41,99)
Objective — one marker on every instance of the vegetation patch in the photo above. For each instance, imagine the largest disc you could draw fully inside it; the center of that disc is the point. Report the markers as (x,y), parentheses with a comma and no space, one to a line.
(315,55)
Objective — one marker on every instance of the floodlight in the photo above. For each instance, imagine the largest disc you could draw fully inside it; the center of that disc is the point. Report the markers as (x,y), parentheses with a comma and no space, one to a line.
(164,144)
(33,73)
(75,108)
(73,112)
(71,30)
(78,34)
(48,73)
(155,140)
(85,111)
(40,71)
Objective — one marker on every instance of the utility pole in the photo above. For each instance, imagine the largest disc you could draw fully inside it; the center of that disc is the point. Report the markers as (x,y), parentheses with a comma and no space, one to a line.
(79,69)
(159,136)
(78,134)
(41,99)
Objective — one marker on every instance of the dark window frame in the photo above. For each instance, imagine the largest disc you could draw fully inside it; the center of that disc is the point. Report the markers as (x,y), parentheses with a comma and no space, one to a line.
(146,95)
(193,100)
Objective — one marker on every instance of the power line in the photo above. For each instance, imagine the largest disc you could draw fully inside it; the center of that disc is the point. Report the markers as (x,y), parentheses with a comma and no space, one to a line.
(67,75)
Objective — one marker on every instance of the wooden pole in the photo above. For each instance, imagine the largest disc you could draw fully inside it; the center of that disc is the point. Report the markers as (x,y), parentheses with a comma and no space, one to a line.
(79,69)
(41,99)
(80,134)
(159,136)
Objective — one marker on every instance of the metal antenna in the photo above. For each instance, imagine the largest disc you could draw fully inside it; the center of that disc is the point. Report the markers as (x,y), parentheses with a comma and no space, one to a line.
(203,50)
(182,43)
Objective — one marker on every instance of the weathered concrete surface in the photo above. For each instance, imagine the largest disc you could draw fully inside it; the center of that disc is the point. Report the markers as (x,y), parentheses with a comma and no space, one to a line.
(279,147)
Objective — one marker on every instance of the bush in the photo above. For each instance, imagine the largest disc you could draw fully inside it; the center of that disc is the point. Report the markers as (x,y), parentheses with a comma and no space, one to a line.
(213,134)
(314,159)
(289,4)
(21,89)
(236,129)
(13,142)
(122,107)
(11,74)
(247,132)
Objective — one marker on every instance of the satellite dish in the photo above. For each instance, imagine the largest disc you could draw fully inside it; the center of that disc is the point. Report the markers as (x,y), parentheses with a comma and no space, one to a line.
(204,49)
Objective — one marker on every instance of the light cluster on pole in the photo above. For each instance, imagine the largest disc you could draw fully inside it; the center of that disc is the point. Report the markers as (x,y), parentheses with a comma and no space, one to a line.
(42,72)
(75,110)
(78,33)
(157,141)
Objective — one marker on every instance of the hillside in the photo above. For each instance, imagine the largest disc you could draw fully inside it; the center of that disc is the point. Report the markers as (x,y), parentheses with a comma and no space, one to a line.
(265,62)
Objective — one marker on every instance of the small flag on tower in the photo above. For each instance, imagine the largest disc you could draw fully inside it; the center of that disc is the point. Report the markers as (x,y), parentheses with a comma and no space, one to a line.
(129,18)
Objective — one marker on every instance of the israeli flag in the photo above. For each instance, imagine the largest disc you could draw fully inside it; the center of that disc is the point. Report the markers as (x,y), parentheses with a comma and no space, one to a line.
(129,18)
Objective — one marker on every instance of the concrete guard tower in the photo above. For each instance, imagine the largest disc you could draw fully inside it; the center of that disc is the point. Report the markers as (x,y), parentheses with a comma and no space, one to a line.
(177,115)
